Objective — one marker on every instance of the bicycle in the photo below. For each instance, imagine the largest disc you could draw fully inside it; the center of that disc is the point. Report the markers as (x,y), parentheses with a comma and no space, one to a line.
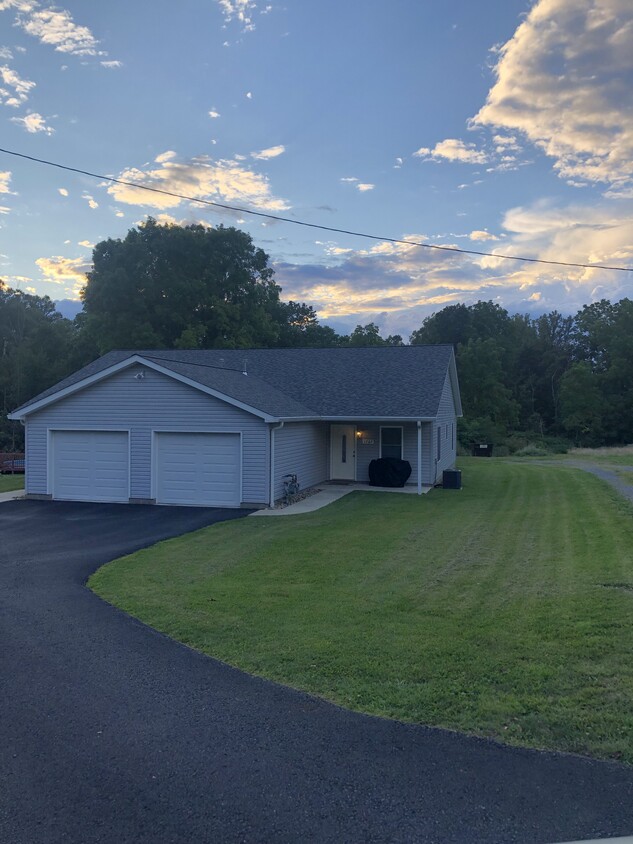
(291,487)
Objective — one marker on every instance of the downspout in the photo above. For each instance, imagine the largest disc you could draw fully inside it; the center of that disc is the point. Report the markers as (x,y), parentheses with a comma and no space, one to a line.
(271,499)
(419,457)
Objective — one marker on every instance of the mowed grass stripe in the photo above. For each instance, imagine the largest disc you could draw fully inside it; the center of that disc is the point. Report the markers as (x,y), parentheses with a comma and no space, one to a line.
(482,610)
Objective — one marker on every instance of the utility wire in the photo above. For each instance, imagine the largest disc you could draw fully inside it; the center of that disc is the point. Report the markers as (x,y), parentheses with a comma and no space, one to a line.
(311,225)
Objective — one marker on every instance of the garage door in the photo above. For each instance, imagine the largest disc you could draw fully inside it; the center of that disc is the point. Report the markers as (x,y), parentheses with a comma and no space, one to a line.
(198,469)
(90,466)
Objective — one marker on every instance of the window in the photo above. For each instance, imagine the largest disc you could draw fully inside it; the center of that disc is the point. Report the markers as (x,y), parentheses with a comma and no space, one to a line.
(391,442)
(344,448)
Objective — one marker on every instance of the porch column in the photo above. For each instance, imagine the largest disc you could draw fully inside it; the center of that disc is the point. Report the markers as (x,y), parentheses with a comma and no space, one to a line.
(419,457)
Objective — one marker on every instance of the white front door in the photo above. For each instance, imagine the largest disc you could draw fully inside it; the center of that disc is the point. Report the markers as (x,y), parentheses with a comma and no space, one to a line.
(343,452)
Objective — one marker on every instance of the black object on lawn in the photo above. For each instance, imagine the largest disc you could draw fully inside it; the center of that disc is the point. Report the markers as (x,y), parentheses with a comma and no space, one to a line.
(389,471)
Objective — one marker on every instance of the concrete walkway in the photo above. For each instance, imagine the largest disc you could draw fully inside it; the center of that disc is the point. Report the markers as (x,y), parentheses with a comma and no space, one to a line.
(11,496)
(332,492)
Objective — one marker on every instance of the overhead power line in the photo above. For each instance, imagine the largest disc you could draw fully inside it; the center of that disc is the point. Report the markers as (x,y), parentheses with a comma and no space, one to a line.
(311,225)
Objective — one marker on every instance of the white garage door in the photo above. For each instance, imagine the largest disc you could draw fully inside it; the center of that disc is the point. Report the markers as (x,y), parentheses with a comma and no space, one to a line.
(90,466)
(198,469)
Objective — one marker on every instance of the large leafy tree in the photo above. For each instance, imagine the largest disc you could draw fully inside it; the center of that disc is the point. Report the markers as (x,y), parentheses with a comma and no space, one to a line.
(35,344)
(170,286)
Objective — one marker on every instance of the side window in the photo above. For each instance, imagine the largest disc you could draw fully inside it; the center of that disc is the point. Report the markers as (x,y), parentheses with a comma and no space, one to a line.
(391,442)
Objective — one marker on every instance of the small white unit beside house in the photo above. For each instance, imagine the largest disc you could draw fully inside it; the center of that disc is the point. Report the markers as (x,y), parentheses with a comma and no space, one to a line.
(221,428)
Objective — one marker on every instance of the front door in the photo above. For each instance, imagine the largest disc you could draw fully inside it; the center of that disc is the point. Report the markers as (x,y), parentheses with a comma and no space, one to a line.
(343,452)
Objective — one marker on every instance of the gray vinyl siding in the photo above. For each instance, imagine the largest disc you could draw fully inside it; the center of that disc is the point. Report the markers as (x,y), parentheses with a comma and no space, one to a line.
(446,423)
(365,453)
(155,402)
(301,448)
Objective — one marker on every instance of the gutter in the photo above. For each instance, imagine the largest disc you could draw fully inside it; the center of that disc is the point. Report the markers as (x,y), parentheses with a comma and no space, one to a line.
(271,477)
(419,457)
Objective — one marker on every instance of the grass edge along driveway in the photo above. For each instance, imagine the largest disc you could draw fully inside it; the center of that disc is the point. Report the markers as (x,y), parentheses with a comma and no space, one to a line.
(10,483)
(503,610)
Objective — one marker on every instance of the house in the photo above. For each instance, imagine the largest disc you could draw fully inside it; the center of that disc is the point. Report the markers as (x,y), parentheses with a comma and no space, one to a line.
(222,427)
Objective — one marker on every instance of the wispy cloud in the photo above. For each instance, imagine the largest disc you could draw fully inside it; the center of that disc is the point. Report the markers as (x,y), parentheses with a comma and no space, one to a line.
(20,87)
(33,123)
(90,200)
(5,178)
(240,11)
(201,178)
(214,114)
(481,234)
(57,29)
(112,65)
(453,149)
(271,152)
(364,186)
(564,81)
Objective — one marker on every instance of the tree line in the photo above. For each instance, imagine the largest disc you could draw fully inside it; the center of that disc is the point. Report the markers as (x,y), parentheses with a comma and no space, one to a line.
(545,378)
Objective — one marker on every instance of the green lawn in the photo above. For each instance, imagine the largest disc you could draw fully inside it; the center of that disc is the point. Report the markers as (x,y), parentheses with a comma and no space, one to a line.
(10,482)
(504,609)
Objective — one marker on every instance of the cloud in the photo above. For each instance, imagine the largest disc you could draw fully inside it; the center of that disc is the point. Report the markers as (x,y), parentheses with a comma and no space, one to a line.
(5,178)
(349,179)
(271,152)
(57,29)
(397,285)
(58,269)
(91,200)
(33,123)
(364,186)
(63,191)
(111,65)
(214,114)
(200,178)
(21,87)
(564,81)
(452,149)
(482,235)
(249,95)
(241,11)
(86,243)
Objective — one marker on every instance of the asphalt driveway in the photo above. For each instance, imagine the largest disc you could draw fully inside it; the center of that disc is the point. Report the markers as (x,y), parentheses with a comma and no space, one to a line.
(111,732)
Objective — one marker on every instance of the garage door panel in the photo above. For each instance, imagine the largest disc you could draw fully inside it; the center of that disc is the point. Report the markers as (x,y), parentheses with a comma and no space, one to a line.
(199,469)
(90,466)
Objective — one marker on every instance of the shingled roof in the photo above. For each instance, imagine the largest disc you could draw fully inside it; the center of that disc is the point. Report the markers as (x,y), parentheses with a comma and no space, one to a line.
(398,382)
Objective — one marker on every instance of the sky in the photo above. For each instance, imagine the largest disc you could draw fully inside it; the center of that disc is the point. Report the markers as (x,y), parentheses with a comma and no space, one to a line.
(504,126)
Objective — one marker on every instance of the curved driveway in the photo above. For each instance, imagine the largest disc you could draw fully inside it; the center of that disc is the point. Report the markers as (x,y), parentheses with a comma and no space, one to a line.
(111,732)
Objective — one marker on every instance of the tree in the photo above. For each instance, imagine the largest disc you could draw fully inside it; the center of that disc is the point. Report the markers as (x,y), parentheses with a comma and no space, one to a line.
(35,343)
(299,326)
(168,286)
(581,405)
